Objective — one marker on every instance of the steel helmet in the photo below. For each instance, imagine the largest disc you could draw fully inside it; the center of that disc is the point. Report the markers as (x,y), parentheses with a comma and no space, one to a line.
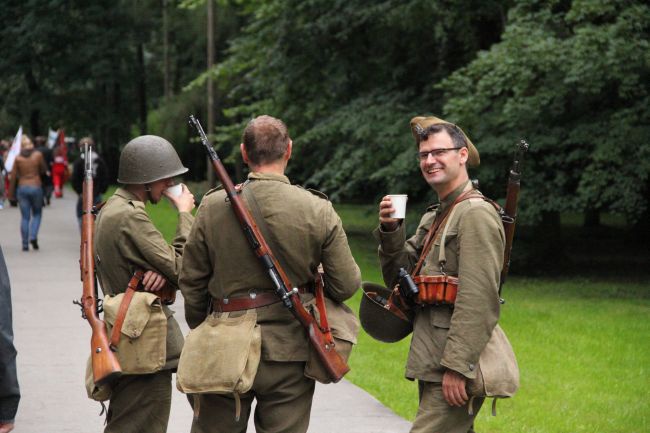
(148,158)
(379,322)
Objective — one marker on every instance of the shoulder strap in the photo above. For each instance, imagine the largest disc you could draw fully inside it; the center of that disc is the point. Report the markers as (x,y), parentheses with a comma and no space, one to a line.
(124,307)
(438,222)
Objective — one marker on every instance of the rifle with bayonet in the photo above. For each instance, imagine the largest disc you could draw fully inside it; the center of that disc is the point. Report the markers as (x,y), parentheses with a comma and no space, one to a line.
(324,346)
(509,213)
(106,366)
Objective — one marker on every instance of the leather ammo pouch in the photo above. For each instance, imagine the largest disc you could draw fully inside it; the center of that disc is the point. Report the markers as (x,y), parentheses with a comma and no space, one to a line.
(344,326)
(221,356)
(498,373)
(438,289)
(143,335)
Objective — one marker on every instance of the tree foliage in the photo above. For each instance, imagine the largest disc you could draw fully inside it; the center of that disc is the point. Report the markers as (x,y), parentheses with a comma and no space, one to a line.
(571,77)
(346,76)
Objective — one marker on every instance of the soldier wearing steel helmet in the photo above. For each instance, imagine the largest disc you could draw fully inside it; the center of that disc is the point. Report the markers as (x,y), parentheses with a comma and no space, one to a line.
(447,338)
(125,241)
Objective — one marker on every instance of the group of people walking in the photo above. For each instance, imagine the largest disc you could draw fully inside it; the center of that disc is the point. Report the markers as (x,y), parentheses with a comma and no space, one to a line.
(211,262)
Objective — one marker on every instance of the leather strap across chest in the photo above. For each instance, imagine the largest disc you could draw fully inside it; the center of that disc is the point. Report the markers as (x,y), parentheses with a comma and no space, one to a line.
(438,222)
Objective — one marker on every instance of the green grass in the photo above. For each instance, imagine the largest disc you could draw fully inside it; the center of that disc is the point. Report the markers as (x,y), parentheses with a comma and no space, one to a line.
(582,346)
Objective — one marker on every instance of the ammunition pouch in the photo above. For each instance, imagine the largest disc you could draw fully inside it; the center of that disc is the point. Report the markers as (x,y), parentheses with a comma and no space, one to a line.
(436,290)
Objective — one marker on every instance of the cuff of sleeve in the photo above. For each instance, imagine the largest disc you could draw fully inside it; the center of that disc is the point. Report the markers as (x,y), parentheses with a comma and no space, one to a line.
(391,242)
(462,366)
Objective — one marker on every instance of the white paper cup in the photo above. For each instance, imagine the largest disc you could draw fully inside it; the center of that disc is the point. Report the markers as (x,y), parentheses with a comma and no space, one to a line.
(175,190)
(399,204)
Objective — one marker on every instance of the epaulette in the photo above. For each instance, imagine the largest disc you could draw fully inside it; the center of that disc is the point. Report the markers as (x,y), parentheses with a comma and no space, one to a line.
(318,193)
(210,191)
(433,207)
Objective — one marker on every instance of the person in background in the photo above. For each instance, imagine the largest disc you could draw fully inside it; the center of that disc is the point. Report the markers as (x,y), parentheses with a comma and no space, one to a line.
(59,170)
(48,187)
(100,175)
(25,177)
(9,390)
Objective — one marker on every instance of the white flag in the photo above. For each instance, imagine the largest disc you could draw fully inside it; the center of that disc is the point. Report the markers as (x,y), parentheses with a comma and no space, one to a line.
(14,150)
(52,135)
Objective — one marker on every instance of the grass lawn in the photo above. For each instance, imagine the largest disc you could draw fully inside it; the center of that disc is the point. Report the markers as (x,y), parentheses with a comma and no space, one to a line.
(582,345)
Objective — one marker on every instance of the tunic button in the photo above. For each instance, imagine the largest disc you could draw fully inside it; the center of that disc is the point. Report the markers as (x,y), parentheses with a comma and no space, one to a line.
(471,367)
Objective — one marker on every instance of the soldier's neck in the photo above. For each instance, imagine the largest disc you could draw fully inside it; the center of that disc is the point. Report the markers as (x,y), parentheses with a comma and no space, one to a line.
(443,191)
(138,191)
(273,168)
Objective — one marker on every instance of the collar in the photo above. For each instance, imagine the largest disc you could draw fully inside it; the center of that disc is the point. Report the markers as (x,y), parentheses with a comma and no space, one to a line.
(444,204)
(256,175)
(129,196)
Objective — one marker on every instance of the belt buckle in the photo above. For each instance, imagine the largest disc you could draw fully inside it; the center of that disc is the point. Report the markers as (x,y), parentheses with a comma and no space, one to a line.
(252,294)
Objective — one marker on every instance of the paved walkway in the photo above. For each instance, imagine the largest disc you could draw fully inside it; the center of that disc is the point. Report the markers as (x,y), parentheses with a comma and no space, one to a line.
(53,342)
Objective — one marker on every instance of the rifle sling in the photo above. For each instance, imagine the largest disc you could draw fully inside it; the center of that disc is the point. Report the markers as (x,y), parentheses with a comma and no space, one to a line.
(124,307)
(318,287)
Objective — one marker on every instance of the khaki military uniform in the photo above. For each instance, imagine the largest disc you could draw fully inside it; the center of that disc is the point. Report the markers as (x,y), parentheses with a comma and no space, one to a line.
(126,240)
(218,262)
(446,337)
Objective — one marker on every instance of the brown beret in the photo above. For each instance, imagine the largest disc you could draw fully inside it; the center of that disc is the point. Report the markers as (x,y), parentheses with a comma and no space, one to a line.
(420,124)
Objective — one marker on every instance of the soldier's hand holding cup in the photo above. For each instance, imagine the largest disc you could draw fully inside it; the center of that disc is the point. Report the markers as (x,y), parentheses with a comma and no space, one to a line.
(392,210)
(181,197)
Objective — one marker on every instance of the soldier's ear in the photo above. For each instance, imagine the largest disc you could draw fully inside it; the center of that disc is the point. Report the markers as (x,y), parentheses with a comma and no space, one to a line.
(287,154)
(244,155)
(464,155)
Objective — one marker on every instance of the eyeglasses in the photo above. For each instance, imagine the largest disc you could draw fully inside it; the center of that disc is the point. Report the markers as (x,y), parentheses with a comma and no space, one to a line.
(436,153)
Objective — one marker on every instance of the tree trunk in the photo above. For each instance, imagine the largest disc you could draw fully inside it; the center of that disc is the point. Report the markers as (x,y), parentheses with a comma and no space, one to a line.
(142,89)
(592,218)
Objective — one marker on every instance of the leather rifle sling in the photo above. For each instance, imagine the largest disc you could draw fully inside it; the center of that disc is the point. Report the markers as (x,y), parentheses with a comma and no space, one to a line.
(124,307)
(319,293)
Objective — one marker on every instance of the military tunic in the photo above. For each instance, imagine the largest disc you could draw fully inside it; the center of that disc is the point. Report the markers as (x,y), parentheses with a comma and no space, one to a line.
(126,240)
(446,337)
(218,262)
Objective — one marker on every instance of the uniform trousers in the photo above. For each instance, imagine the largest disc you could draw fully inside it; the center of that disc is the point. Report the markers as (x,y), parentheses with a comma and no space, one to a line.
(435,415)
(140,403)
(283,394)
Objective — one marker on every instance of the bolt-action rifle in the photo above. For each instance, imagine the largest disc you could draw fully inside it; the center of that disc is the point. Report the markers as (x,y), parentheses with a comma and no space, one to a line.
(106,366)
(509,212)
(324,346)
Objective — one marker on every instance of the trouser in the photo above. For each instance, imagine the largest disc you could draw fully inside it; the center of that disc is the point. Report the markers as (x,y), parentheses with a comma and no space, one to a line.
(435,415)
(140,403)
(30,200)
(9,390)
(283,395)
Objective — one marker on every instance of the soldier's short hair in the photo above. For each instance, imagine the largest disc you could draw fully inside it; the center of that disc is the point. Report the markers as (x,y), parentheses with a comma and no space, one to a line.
(265,139)
(457,137)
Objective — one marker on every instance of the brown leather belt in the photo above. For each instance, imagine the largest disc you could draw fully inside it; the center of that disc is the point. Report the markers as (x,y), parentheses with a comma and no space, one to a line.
(253,300)
(436,290)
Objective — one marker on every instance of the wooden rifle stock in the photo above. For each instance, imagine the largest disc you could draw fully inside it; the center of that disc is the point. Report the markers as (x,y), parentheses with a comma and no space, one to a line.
(509,216)
(323,346)
(106,366)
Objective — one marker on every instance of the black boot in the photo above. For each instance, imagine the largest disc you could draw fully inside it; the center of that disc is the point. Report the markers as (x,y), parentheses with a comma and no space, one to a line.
(34,244)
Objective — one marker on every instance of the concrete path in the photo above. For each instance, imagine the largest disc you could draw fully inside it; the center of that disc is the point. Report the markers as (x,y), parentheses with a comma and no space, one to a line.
(53,342)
